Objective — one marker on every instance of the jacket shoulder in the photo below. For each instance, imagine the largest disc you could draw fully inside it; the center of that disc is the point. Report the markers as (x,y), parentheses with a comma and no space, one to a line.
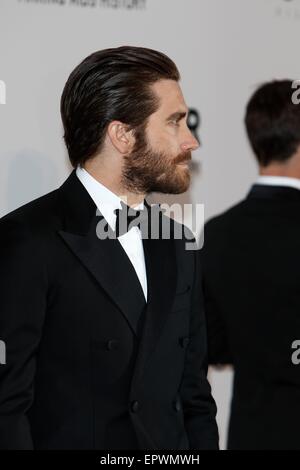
(34,214)
(229,216)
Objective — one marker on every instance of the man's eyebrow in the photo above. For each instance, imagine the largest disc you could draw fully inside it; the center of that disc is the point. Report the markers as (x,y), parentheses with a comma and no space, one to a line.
(177,116)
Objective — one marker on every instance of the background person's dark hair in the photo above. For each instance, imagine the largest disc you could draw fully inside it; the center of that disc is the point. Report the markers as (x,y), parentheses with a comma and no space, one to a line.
(111,84)
(273,122)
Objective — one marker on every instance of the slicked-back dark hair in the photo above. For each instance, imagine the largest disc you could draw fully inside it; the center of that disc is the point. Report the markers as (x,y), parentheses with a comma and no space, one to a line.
(273,122)
(111,84)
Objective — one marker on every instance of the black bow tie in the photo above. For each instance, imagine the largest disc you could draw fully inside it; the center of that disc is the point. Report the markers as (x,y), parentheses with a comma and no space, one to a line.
(127,218)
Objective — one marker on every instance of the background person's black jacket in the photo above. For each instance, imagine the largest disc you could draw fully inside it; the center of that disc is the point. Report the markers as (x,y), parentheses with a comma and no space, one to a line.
(251,264)
(81,371)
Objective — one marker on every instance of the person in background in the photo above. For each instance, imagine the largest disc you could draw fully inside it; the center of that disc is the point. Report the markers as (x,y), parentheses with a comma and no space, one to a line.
(251,280)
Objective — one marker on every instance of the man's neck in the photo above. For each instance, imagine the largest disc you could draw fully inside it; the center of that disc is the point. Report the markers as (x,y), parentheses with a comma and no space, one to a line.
(110,182)
(280,171)
(289,168)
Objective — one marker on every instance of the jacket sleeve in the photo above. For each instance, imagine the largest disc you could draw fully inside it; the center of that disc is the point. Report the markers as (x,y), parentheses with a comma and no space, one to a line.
(22,310)
(198,404)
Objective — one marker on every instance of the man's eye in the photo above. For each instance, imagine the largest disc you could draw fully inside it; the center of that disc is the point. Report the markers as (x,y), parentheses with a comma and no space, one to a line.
(175,123)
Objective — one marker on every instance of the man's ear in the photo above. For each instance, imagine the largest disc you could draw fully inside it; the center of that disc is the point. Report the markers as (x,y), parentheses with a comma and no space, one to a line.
(120,136)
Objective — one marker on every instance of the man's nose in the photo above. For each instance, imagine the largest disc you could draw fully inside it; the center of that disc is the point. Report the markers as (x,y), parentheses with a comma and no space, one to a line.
(190,143)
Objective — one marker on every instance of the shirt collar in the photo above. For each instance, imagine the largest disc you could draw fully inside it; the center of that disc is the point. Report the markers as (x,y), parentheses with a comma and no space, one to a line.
(106,200)
(279,181)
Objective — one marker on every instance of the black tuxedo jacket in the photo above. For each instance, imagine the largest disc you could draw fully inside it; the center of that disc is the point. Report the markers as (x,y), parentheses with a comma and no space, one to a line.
(251,263)
(89,364)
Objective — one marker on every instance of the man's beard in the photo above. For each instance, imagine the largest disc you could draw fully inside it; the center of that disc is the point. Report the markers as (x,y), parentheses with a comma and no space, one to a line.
(146,170)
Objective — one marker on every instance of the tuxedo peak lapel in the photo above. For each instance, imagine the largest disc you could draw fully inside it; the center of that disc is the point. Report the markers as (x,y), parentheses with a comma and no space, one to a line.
(161,266)
(77,207)
(105,259)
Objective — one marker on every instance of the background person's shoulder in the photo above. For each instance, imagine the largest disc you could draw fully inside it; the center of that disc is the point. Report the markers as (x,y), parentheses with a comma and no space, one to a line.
(226,217)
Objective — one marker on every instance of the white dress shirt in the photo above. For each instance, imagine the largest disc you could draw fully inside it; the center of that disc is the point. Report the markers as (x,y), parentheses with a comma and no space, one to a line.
(107,202)
(279,181)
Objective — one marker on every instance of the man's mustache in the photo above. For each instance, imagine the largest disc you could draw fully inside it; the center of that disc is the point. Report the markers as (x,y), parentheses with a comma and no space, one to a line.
(183,157)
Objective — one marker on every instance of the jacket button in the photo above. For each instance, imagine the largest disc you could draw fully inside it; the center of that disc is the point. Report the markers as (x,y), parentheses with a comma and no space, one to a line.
(184,341)
(135,406)
(177,405)
(112,344)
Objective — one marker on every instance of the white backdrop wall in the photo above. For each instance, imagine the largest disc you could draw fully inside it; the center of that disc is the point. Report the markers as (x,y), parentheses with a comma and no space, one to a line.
(223,49)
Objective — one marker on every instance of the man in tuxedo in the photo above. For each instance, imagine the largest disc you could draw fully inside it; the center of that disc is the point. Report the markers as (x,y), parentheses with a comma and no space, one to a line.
(105,335)
(251,277)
